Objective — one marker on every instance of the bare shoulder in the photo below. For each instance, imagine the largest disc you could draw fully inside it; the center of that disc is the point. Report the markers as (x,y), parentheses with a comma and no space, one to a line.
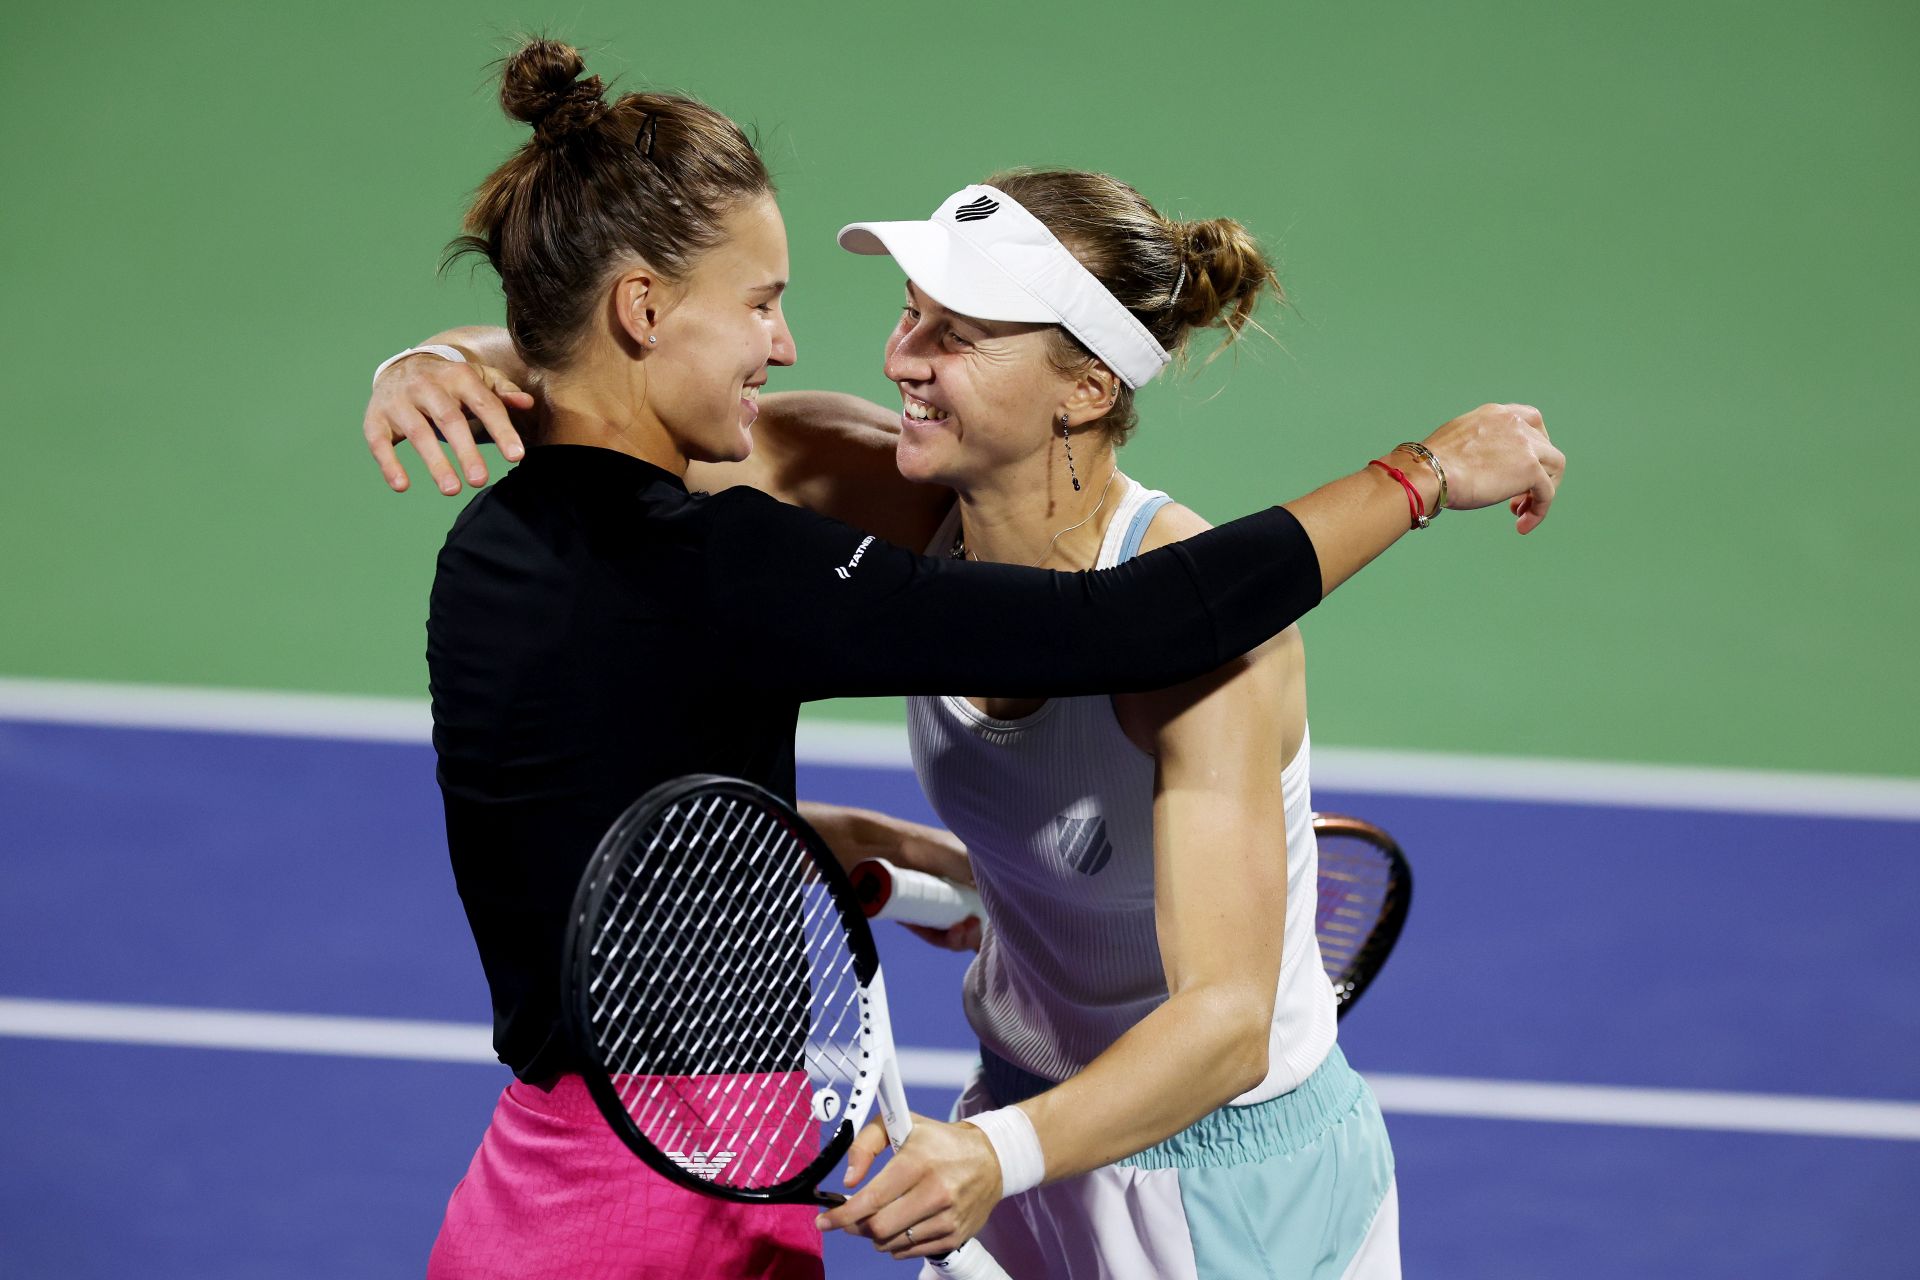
(798,436)
(833,453)
(1173,523)
(855,422)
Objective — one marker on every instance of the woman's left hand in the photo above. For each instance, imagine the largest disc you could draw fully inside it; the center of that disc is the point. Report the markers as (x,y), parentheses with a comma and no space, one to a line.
(425,399)
(938,853)
(941,1184)
(856,834)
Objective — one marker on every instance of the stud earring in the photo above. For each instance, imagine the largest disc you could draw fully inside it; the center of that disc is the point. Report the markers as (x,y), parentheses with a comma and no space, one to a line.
(652,341)
(1067,440)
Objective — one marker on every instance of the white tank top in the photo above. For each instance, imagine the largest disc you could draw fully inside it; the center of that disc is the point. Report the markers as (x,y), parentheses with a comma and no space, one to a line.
(1057,811)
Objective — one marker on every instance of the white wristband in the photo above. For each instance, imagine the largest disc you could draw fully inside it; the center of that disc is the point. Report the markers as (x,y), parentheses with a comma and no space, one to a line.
(431,349)
(1023,1166)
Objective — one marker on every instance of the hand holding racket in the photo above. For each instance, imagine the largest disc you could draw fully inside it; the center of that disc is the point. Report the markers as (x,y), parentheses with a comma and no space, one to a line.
(930,856)
(942,1186)
(725,998)
(887,892)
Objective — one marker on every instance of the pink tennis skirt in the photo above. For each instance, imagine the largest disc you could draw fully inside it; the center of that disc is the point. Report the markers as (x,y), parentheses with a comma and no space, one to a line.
(553,1193)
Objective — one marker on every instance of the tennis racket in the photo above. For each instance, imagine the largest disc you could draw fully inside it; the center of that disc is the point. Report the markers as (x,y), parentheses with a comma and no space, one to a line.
(1365,889)
(725,998)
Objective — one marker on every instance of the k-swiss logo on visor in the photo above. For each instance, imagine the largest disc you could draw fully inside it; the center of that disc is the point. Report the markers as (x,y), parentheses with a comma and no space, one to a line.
(1084,844)
(975,210)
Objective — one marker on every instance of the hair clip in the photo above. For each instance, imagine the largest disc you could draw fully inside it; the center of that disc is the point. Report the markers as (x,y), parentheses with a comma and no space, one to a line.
(643,140)
(1178,285)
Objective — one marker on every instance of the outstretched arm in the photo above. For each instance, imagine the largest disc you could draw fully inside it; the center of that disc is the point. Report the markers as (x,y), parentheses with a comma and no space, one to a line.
(1496,453)
(833,453)
(811,608)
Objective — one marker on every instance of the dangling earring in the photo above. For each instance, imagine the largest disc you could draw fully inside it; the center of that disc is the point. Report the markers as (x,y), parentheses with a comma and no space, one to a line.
(1067,440)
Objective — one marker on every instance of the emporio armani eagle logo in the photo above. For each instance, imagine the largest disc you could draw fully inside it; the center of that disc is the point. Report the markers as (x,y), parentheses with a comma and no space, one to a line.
(702,1164)
(975,210)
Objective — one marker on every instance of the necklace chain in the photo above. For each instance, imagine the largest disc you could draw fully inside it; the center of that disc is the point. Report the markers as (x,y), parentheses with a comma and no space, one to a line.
(958,551)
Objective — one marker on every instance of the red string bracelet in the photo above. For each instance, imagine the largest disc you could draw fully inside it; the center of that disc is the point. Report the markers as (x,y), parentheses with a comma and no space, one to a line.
(1416,505)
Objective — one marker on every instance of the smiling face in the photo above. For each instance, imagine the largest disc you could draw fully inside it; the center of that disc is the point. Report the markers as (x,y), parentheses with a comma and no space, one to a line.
(977,396)
(717,332)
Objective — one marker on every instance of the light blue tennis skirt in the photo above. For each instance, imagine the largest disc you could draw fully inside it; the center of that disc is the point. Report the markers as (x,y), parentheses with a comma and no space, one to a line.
(1290,1187)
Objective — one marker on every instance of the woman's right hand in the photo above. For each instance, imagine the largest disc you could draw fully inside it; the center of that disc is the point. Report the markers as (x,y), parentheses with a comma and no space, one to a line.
(425,393)
(1499,453)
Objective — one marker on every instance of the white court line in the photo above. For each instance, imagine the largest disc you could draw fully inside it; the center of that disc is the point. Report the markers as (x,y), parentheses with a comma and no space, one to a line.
(1648,1108)
(395,1038)
(156,706)
(1352,769)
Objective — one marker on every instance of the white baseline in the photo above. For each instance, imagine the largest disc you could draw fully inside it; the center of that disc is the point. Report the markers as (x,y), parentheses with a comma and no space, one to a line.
(423,1041)
(822,742)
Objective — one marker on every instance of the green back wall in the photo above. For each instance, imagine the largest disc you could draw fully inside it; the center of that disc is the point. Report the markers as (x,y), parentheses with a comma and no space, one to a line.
(1687,235)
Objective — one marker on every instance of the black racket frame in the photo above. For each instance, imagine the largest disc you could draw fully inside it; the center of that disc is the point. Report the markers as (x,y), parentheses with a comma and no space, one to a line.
(1352,983)
(802,1187)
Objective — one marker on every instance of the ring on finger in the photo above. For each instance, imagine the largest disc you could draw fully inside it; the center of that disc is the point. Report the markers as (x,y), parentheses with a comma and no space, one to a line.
(910,1235)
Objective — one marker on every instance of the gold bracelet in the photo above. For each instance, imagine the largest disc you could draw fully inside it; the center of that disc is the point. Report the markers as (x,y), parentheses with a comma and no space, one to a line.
(1426,455)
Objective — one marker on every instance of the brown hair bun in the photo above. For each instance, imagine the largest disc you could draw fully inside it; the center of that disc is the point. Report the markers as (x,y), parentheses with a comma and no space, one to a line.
(542,86)
(1174,276)
(1226,271)
(649,178)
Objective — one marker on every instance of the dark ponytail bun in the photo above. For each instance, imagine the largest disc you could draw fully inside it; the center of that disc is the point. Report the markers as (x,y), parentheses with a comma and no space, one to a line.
(542,86)
(650,178)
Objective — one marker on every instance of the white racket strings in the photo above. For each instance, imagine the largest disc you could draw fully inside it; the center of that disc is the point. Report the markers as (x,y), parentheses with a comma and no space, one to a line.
(1354,881)
(723,995)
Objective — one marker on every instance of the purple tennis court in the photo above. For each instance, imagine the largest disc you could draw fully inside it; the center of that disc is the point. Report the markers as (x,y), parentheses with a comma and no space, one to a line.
(1613,1040)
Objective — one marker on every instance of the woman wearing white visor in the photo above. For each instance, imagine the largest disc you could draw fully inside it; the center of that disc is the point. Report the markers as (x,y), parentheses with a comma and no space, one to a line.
(1161,1092)
(1156,1030)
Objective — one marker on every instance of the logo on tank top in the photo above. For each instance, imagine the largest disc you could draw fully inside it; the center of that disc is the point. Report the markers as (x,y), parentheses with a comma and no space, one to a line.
(1083,844)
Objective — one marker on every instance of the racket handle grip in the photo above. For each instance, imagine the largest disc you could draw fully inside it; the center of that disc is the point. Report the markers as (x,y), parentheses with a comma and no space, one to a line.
(887,892)
(970,1261)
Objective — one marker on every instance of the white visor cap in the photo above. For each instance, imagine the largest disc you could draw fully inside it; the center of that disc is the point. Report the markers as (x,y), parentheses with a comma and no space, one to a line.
(984,256)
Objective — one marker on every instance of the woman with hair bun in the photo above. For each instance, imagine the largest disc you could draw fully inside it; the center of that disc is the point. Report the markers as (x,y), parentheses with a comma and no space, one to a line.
(599,625)
(1157,1034)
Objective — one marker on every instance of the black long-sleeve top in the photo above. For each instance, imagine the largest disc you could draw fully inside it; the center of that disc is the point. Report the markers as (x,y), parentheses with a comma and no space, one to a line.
(595,630)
